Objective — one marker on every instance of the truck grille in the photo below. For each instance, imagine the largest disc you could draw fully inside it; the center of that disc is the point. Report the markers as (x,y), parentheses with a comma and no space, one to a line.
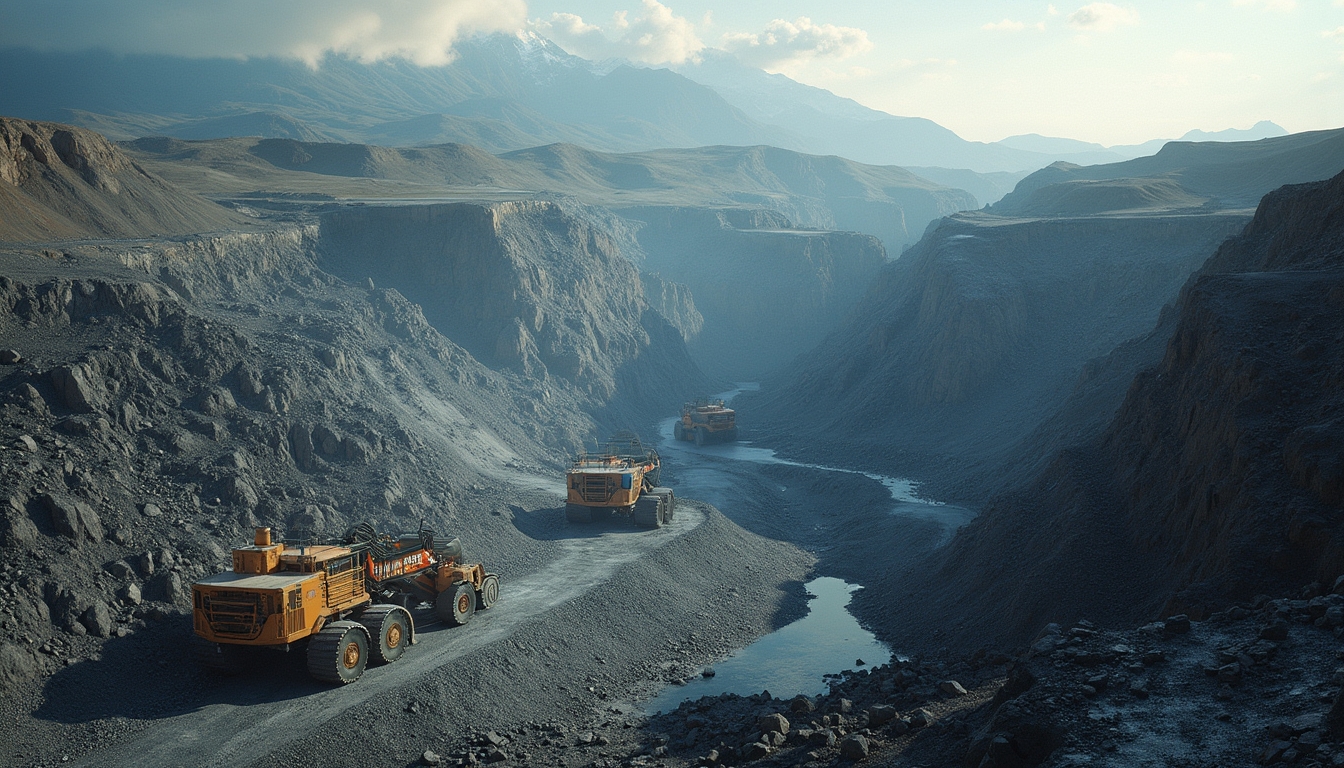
(596,488)
(237,614)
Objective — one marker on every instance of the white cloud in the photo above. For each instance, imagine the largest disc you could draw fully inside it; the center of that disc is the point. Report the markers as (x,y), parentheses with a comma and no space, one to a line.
(1102,17)
(1282,6)
(658,36)
(1010,25)
(422,31)
(1338,32)
(796,42)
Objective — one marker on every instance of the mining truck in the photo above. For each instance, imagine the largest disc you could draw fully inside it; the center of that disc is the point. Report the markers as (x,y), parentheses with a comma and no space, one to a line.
(348,603)
(706,421)
(621,477)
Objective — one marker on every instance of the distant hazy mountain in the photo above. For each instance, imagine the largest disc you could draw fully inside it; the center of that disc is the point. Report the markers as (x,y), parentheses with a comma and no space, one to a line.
(503,92)
(827,124)
(1261,130)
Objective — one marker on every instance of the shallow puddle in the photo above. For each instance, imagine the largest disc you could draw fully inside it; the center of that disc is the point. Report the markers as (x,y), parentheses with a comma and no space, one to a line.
(793,659)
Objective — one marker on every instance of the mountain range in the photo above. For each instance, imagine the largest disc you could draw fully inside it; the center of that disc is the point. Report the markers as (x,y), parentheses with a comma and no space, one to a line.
(503,93)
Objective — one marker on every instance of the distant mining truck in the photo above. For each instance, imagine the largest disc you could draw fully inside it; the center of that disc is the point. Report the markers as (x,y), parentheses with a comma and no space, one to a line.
(620,478)
(349,603)
(706,421)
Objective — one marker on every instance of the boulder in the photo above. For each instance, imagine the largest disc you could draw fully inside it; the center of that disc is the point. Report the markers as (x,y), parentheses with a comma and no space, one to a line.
(97,620)
(238,491)
(952,688)
(17,529)
(217,402)
(130,594)
(120,570)
(326,440)
(430,757)
(79,387)
(16,666)
(801,704)
(151,510)
(27,443)
(1177,625)
(10,357)
(301,446)
(822,738)
(74,519)
(775,723)
(881,714)
(854,747)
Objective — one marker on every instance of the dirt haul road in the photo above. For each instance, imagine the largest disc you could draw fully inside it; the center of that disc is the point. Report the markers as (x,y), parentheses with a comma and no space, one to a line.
(232,735)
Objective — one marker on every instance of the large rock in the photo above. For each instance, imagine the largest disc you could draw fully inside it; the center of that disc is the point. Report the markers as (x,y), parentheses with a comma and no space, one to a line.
(774,723)
(97,620)
(301,446)
(79,387)
(16,665)
(74,519)
(238,491)
(16,530)
(854,747)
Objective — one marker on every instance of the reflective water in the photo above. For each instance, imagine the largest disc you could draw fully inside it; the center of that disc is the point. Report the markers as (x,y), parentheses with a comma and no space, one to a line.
(907,501)
(794,659)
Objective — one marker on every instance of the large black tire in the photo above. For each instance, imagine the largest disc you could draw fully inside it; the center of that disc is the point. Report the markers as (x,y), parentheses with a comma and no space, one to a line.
(669,502)
(339,653)
(390,630)
(648,512)
(488,594)
(679,431)
(457,604)
(652,477)
(577,513)
(220,658)
(701,436)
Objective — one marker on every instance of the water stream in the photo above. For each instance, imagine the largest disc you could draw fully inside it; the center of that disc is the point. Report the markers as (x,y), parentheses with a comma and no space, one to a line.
(793,659)
(906,500)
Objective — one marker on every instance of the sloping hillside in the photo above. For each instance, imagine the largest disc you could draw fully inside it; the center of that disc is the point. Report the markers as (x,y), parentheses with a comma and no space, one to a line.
(1218,478)
(59,182)
(1182,175)
(975,335)
(819,192)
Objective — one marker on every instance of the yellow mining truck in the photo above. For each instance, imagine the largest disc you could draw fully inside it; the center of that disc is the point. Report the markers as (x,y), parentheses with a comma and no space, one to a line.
(349,603)
(621,477)
(706,421)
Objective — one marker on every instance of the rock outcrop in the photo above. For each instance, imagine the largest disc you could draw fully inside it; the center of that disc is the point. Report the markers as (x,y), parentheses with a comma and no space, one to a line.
(765,288)
(1216,479)
(972,338)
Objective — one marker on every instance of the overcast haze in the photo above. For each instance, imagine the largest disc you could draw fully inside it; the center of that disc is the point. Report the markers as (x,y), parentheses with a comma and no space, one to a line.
(1111,73)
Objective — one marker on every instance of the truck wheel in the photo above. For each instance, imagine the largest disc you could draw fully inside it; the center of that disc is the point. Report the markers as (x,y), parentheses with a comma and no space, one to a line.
(457,604)
(391,630)
(648,512)
(577,513)
(678,431)
(669,502)
(701,436)
(488,594)
(339,653)
(219,658)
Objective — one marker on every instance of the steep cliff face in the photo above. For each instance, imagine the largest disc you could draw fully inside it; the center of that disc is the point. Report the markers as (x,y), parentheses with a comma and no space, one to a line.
(765,289)
(526,286)
(59,182)
(973,337)
(1219,476)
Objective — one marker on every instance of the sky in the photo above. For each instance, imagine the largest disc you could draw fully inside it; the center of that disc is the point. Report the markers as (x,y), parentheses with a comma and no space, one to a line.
(1111,73)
